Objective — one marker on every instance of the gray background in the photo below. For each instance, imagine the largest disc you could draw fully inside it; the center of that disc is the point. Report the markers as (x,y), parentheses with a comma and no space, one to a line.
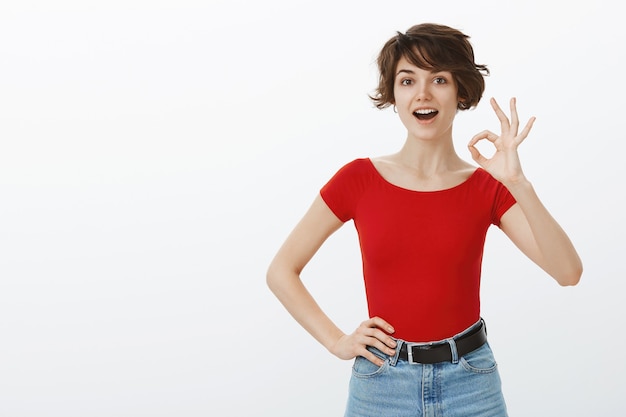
(155,154)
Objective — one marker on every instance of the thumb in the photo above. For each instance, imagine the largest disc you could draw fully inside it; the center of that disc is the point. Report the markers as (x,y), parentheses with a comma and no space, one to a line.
(477,156)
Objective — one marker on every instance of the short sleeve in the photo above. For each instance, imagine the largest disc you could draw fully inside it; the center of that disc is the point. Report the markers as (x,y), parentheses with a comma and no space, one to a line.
(503,200)
(343,191)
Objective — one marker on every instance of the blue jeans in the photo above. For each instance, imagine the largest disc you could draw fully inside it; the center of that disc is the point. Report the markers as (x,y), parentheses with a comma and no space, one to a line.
(468,386)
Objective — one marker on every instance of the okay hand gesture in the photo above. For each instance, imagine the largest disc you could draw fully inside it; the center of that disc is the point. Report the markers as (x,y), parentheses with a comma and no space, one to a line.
(504,165)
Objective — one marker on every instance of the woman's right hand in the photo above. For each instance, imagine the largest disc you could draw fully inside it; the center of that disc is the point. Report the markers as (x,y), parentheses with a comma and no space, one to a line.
(373,332)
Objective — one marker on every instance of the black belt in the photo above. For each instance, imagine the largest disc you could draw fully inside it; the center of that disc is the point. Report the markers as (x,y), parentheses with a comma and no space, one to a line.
(440,352)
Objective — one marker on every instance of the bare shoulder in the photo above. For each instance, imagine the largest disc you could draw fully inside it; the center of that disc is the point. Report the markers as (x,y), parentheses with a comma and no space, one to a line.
(466,170)
(416,178)
(386,163)
(394,162)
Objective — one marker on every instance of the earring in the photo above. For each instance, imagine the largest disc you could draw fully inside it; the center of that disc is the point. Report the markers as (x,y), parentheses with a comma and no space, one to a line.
(394,109)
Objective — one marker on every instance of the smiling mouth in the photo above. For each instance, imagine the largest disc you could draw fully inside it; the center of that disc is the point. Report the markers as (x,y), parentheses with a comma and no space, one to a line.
(425,114)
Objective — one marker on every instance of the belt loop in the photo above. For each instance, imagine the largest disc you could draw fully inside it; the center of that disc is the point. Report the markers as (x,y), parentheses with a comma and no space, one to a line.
(393,360)
(455,353)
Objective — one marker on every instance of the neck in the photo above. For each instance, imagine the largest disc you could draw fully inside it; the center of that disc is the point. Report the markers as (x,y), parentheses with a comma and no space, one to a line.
(429,157)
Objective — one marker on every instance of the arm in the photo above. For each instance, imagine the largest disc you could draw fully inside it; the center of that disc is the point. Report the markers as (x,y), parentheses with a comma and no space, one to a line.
(283,278)
(528,223)
(535,232)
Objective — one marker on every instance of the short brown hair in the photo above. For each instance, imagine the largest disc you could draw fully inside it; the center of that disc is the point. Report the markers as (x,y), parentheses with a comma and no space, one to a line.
(433,47)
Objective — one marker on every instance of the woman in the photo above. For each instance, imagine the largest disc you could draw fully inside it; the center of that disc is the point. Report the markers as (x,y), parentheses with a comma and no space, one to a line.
(422,215)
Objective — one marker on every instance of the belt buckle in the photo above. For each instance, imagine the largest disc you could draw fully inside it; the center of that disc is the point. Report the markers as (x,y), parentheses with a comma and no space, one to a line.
(409,350)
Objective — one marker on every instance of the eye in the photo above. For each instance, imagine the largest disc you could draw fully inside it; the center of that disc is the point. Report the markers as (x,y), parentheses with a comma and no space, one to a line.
(440,80)
(406,81)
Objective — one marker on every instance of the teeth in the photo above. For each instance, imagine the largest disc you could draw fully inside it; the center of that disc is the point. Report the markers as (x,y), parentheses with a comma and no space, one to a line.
(425,111)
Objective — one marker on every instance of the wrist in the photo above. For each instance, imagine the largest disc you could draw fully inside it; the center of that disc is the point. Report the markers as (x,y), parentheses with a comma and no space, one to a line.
(333,347)
(518,186)
(519,181)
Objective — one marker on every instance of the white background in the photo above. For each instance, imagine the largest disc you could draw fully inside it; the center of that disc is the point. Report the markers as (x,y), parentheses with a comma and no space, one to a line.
(155,154)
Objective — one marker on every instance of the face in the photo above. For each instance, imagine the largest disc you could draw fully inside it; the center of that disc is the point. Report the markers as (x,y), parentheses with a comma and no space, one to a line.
(426,101)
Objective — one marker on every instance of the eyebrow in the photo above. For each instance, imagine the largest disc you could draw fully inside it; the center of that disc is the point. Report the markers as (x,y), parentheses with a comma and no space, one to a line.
(408,71)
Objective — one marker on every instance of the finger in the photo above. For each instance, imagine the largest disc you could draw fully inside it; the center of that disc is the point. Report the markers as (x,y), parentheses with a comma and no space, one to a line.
(372,358)
(369,341)
(361,349)
(381,324)
(477,156)
(383,338)
(375,333)
(382,346)
(524,133)
(514,117)
(485,134)
(504,121)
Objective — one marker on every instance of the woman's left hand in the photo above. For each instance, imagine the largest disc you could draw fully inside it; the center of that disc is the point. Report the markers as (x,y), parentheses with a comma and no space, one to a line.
(504,165)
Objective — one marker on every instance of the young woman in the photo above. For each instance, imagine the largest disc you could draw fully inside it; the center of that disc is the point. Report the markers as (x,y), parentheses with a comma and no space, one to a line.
(422,215)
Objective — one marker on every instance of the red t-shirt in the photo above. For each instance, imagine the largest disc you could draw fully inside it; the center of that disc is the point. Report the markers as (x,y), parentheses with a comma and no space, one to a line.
(421,250)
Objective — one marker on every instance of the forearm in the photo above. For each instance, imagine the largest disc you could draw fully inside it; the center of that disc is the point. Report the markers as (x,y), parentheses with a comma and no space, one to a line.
(294,296)
(554,252)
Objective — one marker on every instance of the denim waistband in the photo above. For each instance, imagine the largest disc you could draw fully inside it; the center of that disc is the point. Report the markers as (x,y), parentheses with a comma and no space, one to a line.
(450,341)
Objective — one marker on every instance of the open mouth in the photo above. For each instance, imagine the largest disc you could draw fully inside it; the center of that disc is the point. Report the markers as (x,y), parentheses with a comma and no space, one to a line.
(425,114)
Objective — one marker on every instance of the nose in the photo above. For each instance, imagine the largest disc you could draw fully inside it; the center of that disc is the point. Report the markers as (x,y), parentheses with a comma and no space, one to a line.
(422,91)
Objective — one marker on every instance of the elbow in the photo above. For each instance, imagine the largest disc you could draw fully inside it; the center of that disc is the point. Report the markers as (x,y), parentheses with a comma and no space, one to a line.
(276,277)
(270,278)
(572,277)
